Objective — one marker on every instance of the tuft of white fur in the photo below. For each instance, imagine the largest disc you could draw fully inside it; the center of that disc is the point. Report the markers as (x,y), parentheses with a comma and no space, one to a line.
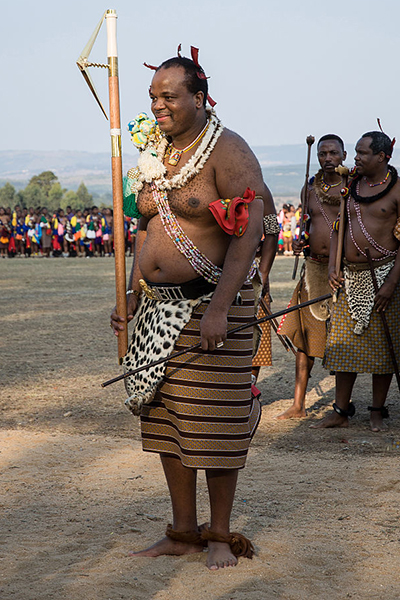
(150,166)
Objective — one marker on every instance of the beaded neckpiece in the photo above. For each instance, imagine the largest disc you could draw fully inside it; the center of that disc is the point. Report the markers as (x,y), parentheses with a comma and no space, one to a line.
(174,154)
(153,145)
(320,191)
(199,261)
(355,186)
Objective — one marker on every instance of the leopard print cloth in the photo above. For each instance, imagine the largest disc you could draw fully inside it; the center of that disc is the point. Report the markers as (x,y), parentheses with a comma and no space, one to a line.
(360,293)
(156,327)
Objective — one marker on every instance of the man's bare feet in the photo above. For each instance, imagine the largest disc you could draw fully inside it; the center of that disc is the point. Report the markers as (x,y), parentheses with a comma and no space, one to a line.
(293,412)
(220,556)
(331,420)
(376,421)
(168,547)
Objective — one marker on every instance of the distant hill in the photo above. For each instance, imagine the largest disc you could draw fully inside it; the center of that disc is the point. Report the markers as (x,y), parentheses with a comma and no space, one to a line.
(283,168)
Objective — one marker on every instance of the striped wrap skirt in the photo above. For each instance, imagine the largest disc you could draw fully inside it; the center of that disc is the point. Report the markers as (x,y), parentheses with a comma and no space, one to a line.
(203,411)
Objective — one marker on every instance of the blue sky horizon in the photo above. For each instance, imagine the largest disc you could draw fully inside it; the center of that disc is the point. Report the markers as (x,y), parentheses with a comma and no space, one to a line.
(278,71)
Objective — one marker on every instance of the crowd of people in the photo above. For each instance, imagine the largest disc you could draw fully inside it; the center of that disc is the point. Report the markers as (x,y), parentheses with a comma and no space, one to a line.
(33,232)
(289,219)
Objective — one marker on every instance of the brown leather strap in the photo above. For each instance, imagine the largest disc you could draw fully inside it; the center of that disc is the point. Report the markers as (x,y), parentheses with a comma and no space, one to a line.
(187,537)
(239,544)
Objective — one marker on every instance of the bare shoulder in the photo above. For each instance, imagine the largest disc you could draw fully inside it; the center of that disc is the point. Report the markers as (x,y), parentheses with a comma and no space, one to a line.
(231,147)
(395,193)
(236,166)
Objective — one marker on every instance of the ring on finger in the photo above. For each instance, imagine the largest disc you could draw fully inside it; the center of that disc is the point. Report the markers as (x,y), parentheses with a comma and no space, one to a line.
(220,344)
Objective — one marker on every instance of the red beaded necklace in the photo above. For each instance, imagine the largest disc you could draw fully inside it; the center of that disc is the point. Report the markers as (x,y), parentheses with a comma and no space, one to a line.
(380,183)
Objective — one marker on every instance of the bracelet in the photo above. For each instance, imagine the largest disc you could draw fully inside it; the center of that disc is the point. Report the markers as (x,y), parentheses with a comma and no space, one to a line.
(137,294)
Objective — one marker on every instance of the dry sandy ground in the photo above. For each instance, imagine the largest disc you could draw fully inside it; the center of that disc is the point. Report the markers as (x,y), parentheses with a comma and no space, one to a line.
(77,494)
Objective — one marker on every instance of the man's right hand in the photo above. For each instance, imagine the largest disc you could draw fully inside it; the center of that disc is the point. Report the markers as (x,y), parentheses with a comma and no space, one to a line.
(334,281)
(297,246)
(117,322)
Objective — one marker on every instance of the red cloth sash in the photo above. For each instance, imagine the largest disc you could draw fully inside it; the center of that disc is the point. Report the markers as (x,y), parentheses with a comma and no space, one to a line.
(232,215)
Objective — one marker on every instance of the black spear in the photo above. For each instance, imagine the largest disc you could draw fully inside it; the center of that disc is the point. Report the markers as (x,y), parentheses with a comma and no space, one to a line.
(229,333)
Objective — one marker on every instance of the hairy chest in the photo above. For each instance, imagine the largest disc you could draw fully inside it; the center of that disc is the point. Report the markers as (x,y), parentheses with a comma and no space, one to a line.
(190,202)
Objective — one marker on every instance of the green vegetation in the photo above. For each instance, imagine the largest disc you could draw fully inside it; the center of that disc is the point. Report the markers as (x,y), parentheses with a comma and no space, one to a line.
(45,190)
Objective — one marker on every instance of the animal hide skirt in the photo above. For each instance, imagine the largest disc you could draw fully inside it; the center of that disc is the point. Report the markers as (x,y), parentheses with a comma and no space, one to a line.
(203,411)
(156,327)
(306,331)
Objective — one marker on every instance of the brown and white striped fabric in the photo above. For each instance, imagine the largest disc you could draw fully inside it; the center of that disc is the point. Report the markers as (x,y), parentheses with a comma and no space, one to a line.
(203,412)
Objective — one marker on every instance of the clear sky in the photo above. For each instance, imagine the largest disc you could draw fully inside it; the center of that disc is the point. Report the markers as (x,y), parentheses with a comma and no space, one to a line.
(279,70)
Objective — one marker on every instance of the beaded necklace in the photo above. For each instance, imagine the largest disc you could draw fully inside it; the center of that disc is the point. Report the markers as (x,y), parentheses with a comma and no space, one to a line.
(327,186)
(174,154)
(195,162)
(380,183)
(355,188)
(366,234)
(319,190)
(199,261)
(327,219)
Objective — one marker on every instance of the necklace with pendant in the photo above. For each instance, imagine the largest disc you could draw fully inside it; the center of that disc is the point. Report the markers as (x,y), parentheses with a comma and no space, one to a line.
(174,154)
(327,186)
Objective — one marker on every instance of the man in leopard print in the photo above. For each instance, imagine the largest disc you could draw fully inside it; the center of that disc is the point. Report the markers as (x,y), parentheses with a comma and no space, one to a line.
(356,342)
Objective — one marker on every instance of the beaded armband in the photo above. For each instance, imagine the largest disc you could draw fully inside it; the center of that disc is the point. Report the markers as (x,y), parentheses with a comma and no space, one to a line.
(271,225)
(396,230)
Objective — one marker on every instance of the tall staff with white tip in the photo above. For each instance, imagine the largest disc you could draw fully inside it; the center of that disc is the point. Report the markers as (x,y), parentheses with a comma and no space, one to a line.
(116,166)
(116,157)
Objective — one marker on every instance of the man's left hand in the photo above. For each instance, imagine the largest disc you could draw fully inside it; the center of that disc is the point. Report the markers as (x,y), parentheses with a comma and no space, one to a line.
(383,296)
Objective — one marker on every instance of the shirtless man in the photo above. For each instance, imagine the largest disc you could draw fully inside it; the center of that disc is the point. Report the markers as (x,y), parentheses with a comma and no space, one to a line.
(307,328)
(356,342)
(198,428)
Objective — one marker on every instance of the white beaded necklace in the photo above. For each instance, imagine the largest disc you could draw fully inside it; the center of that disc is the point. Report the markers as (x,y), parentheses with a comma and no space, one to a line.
(151,169)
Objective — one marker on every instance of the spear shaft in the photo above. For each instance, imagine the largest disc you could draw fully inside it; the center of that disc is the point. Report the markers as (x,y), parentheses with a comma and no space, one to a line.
(229,333)
(304,201)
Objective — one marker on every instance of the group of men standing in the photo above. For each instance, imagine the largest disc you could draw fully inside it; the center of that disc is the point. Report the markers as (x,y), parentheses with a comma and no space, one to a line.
(349,335)
(204,210)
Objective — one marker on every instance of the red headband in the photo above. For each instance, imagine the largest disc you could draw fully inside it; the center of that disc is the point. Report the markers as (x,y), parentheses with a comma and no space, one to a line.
(200,73)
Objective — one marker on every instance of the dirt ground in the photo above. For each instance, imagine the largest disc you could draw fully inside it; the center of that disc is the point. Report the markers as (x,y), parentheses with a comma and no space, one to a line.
(77,494)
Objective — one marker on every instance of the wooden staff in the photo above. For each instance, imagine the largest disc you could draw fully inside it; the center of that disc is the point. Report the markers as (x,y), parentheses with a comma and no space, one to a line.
(116,166)
(285,341)
(384,320)
(344,173)
(116,157)
(229,333)
(310,139)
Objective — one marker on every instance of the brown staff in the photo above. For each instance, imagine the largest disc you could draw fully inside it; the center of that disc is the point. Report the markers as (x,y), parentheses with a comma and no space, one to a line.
(229,333)
(116,158)
(285,341)
(310,139)
(384,320)
(344,173)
